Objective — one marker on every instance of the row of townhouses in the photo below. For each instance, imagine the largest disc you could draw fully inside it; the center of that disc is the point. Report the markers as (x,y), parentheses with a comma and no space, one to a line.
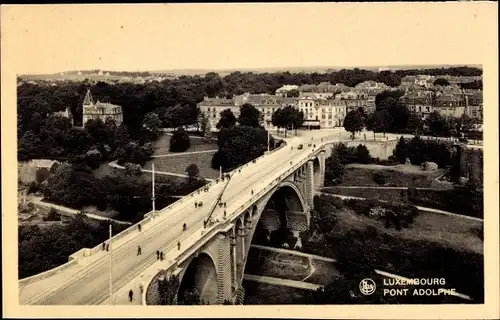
(325,105)
(448,102)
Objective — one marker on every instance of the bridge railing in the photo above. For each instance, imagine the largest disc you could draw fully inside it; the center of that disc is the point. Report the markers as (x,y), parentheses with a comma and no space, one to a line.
(48,273)
(214,229)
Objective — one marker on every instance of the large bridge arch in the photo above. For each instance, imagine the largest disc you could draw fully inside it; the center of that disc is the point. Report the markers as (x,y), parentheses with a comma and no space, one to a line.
(272,215)
(200,275)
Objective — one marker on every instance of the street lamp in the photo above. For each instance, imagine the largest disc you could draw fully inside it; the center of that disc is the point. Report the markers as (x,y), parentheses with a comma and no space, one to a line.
(153,189)
(268,141)
(110,265)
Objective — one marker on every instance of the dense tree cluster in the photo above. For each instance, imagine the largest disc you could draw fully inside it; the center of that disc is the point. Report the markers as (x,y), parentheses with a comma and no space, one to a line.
(240,140)
(419,151)
(173,101)
(287,118)
(227,120)
(239,145)
(53,137)
(47,248)
(463,199)
(74,186)
(360,251)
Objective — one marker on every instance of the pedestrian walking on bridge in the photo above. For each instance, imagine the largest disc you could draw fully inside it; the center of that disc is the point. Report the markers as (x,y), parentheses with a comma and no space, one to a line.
(157,255)
(139,251)
(103,246)
(130,295)
(139,227)
(161,255)
(178,245)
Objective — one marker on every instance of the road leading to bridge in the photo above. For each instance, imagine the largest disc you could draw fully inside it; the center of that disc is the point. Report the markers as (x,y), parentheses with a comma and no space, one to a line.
(89,285)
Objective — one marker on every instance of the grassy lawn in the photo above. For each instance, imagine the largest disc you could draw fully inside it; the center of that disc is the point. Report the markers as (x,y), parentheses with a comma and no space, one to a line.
(379,194)
(197,144)
(449,231)
(278,265)
(261,293)
(405,176)
(178,164)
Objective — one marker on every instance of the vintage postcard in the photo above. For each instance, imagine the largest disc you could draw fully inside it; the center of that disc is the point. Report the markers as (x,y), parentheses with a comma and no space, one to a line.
(314,160)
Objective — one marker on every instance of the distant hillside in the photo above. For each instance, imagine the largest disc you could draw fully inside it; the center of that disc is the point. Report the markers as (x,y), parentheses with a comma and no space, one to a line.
(98,74)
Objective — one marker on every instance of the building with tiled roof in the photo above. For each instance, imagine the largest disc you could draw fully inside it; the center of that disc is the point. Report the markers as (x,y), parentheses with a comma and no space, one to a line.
(452,105)
(419,102)
(100,110)
(283,91)
(26,170)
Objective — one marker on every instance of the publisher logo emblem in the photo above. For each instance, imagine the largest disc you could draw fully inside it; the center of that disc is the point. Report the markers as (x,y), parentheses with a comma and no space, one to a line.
(367,286)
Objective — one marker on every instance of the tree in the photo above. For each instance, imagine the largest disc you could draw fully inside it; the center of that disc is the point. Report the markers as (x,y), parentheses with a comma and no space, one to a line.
(191,297)
(42,174)
(179,142)
(277,119)
(362,154)
(179,115)
(151,123)
(168,289)
(401,150)
(334,170)
(29,146)
(227,119)
(415,124)
(399,115)
(249,116)
(437,124)
(353,122)
(97,130)
(192,171)
(287,118)
(132,169)
(294,93)
(239,145)
(460,125)
(378,121)
(386,103)
(441,82)
(394,94)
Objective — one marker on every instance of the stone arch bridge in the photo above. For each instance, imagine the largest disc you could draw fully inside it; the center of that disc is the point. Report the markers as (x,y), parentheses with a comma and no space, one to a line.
(216,266)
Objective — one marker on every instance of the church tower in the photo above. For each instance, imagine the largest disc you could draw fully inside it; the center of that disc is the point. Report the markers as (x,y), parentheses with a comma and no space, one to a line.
(87,101)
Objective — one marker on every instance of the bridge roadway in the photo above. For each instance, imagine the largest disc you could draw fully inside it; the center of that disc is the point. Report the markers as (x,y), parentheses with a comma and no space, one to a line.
(88,284)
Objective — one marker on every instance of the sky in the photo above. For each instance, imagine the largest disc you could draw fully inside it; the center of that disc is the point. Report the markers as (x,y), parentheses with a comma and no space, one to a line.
(54,38)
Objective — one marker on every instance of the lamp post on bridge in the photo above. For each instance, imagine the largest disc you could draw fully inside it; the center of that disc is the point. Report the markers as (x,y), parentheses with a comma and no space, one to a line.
(153,189)
(110,265)
(268,141)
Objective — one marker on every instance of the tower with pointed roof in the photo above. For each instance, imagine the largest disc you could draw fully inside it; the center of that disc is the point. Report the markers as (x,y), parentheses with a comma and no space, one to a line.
(87,101)
(98,110)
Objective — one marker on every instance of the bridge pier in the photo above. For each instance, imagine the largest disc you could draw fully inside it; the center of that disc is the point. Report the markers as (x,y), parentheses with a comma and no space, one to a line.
(322,159)
(309,192)
(224,271)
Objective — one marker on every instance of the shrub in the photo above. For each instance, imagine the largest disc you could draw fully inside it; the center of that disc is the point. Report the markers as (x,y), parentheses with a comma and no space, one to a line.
(192,171)
(363,155)
(397,215)
(380,178)
(42,174)
(179,142)
(53,215)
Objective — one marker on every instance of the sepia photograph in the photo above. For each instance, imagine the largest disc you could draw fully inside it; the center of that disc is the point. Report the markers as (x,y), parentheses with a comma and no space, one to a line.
(165,161)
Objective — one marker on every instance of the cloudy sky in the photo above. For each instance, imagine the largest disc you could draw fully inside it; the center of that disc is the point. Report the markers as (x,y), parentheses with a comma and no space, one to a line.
(46,39)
